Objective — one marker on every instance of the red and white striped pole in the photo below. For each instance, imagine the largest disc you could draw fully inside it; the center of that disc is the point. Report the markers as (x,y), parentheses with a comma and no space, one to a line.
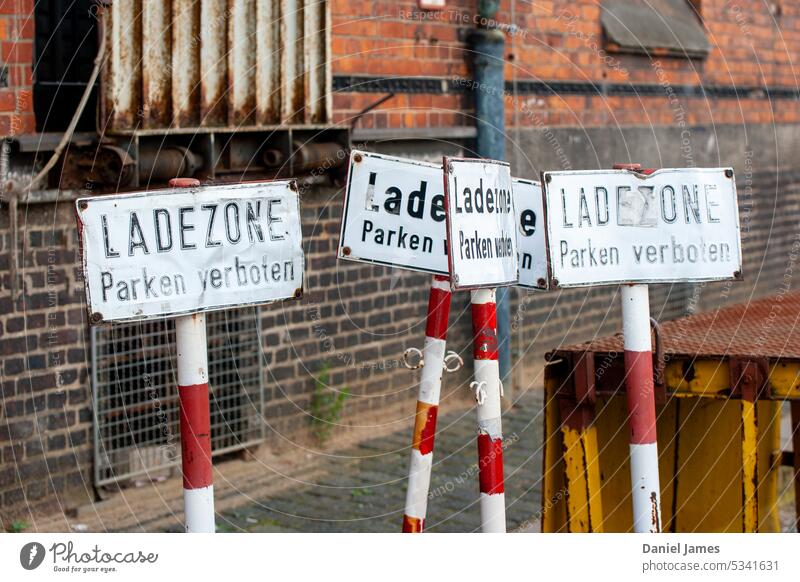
(487,393)
(192,348)
(641,408)
(640,391)
(433,357)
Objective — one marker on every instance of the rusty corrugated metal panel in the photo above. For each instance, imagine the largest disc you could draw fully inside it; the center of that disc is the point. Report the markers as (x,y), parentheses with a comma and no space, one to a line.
(767,328)
(216,63)
(291,57)
(315,20)
(156,77)
(123,75)
(242,61)
(213,62)
(268,69)
(185,63)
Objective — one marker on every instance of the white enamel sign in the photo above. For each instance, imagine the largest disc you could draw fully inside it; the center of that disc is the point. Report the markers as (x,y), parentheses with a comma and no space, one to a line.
(618,226)
(481,223)
(530,234)
(179,251)
(394,213)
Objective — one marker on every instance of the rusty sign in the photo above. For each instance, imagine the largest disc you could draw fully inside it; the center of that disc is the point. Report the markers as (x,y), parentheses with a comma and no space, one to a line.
(178,251)
(481,223)
(621,226)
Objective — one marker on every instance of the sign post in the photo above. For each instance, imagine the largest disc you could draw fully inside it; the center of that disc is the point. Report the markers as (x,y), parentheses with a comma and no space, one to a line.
(394,215)
(481,235)
(182,252)
(191,346)
(434,362)
(633,227)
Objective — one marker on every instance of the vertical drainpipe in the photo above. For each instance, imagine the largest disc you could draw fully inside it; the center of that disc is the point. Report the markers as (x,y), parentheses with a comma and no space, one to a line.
(488,49)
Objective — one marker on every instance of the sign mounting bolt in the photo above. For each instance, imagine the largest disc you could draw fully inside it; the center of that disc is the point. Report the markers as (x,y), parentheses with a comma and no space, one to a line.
(96,317)
(357,158)
(346,251)
(729,173)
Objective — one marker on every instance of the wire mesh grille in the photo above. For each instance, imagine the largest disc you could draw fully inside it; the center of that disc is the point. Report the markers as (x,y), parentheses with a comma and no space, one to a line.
(134,382)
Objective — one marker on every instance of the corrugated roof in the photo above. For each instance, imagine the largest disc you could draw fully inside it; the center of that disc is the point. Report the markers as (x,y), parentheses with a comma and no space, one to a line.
(768,327)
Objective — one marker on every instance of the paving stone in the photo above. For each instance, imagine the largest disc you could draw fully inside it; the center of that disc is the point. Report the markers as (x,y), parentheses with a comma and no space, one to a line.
(363,488)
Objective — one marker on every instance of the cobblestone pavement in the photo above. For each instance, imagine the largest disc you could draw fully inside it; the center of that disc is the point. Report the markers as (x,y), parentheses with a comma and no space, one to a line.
(362,489)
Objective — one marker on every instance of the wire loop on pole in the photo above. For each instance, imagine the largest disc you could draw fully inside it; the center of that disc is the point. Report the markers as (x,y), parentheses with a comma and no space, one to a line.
(452,357)
(480,391)
(413,352)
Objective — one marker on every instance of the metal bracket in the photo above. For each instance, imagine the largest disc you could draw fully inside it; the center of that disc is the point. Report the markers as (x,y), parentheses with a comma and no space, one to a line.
(749,378)
(584,378)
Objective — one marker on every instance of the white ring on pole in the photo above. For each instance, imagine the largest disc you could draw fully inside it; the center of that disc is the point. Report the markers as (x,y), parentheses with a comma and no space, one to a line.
(453,357)
(416,352)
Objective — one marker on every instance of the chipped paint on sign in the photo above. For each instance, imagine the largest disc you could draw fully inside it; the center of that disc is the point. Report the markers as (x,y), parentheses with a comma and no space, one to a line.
(180,251)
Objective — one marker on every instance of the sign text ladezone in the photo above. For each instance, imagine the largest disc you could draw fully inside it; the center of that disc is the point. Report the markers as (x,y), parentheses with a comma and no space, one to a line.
(617,226)
(481,224)
(172,252)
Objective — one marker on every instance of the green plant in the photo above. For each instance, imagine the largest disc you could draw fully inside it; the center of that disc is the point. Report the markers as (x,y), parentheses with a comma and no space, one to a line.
(326,405)
(18,526)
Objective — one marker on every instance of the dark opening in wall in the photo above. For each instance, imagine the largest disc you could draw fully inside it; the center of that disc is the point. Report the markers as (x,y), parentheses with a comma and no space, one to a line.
(66,45)
(654,28)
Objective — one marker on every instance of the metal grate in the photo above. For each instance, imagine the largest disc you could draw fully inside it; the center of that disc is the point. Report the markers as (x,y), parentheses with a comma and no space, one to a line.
(136,424)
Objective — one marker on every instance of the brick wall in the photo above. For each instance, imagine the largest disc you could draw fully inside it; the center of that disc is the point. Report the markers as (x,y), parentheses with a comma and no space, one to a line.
(16,70)
(45,432)
(359,319)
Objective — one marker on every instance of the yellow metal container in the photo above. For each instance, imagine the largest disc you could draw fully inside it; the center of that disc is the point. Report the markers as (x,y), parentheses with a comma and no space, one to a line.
(721,380)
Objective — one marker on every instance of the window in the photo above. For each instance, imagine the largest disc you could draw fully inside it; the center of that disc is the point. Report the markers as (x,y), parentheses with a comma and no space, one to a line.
(654,28)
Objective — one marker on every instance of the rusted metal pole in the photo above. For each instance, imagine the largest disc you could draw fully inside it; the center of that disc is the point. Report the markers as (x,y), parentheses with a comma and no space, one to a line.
(640,391)
(487,393)
(433,358)
(192,348)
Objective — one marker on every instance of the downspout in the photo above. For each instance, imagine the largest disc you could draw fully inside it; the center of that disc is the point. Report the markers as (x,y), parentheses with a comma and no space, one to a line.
(488,46)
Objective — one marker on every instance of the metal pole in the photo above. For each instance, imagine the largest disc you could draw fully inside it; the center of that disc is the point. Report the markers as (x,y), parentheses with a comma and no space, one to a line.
(433,358)
(641,408)
(490,142)
(640,390)
(192,348)
(487,393)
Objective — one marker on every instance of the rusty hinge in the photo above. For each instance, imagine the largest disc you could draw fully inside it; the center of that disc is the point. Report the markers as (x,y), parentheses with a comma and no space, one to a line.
(749,378)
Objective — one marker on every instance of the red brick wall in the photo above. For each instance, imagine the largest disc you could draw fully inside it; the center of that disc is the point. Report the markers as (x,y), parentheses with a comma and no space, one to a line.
(562,40)
(16,56)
